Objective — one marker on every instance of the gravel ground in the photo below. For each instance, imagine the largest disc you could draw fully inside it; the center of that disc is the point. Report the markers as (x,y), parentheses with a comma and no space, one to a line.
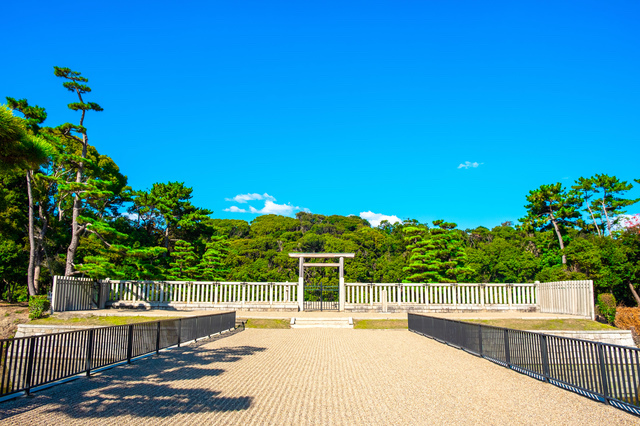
(310,376)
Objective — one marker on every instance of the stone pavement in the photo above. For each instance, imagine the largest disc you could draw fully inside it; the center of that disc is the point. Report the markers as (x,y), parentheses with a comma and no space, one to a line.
(309,376)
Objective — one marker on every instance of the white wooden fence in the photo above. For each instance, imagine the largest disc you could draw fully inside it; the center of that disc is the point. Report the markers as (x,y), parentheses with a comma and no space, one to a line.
(75,294)
(435,297)
(567,297)
(201,294)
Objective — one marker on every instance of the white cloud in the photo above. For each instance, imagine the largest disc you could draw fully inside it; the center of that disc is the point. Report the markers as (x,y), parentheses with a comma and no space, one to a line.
(468,164)
(243,198)
(272,208)
(131,216)
(375,218)
(235,209)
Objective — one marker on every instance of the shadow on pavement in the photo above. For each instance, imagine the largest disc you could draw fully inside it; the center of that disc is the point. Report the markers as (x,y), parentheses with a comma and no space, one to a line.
(156,387)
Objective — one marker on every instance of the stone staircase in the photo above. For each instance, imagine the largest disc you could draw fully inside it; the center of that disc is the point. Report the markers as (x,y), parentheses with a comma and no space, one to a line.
(321,322)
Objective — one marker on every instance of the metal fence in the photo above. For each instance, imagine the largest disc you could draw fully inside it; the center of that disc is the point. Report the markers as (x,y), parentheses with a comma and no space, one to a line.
(603,372)
(28,362)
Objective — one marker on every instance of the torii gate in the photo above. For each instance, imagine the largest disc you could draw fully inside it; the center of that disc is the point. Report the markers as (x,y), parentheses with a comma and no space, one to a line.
(340,265)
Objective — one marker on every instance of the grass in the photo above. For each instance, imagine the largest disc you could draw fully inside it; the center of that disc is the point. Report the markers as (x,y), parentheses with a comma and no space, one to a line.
(386,324)
(97,321)
(267,323)
(551,324)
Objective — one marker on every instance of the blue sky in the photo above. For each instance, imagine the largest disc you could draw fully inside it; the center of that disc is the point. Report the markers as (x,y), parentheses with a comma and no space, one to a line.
(344,107)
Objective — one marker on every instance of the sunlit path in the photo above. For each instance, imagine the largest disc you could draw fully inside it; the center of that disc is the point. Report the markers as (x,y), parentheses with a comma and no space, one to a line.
(310,376)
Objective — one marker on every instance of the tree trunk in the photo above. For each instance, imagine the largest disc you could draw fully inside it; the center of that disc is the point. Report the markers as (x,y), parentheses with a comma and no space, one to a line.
(634,293)
(32,245)
(555,226)
(594,220)
(40,247)
(77,205)
(166,241)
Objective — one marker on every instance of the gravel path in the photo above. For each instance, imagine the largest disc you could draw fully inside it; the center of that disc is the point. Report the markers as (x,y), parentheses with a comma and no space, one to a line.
(310,376)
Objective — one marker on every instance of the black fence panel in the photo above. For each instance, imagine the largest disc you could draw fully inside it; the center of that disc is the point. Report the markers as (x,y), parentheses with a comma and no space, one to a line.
(28,362)
(603,372)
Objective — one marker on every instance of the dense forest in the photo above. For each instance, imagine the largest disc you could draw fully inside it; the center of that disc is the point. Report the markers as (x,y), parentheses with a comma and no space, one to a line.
(66,209)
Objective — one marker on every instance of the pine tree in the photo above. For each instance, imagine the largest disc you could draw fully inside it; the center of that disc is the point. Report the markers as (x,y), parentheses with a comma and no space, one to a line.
(80,187)
(185,262)
(211,266)
(437,255)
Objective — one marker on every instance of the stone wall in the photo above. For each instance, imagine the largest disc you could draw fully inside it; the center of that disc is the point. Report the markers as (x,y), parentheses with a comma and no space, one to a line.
(613,337)
(26,330)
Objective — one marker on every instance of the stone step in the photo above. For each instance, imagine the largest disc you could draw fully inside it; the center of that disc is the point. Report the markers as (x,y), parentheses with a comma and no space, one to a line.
(321,323)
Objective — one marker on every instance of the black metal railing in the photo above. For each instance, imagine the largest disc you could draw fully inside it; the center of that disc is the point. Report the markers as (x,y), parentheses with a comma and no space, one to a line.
(600,371)
(28,362)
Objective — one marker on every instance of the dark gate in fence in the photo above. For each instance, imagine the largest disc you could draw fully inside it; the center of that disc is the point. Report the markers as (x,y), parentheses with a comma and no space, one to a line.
(603,372)
(320,297)
(28,362)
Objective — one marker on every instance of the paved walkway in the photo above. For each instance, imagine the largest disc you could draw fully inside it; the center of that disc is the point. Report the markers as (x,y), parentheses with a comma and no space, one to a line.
(310,376)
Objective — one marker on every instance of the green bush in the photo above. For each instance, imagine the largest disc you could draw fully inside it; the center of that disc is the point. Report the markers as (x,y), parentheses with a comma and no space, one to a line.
(38,305)
(607,306)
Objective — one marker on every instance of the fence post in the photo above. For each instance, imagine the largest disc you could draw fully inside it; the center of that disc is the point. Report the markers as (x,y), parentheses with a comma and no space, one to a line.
(507,354)
(32,347)
(604,379)
(179,330)
(158,339)
(480,340)
(130,344)
(544,352)
(89,352)
(197,331)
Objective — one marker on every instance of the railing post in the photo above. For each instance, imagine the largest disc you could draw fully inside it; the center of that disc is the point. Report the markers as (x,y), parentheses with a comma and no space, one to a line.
(507,354)
(544,352)
(130,344)
(179,330)
(604,378)
(32,348)
(158,339)
(271,285)
(482,292)
(454,288)
(89,353)
(510,294)
(244,293)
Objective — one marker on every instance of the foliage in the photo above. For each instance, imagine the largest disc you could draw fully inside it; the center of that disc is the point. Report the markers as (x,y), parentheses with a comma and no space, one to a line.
(38,306)
(18,147)
(437,255)
(211,266)
(606,304)
(185,262)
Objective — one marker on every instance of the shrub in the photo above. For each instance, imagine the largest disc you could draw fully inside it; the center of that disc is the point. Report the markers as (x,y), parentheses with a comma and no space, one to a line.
(38,305)
(607,306)
(627,318)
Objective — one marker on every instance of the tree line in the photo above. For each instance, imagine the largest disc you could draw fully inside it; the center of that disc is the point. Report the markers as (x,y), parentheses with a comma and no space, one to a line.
(66,209)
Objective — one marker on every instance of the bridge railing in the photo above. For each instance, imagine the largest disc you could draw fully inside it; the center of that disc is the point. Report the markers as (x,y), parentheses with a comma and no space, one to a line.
(600,371)
(28,362)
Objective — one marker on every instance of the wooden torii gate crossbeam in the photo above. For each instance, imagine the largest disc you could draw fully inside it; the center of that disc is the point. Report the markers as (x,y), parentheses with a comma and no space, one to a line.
(302,256)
